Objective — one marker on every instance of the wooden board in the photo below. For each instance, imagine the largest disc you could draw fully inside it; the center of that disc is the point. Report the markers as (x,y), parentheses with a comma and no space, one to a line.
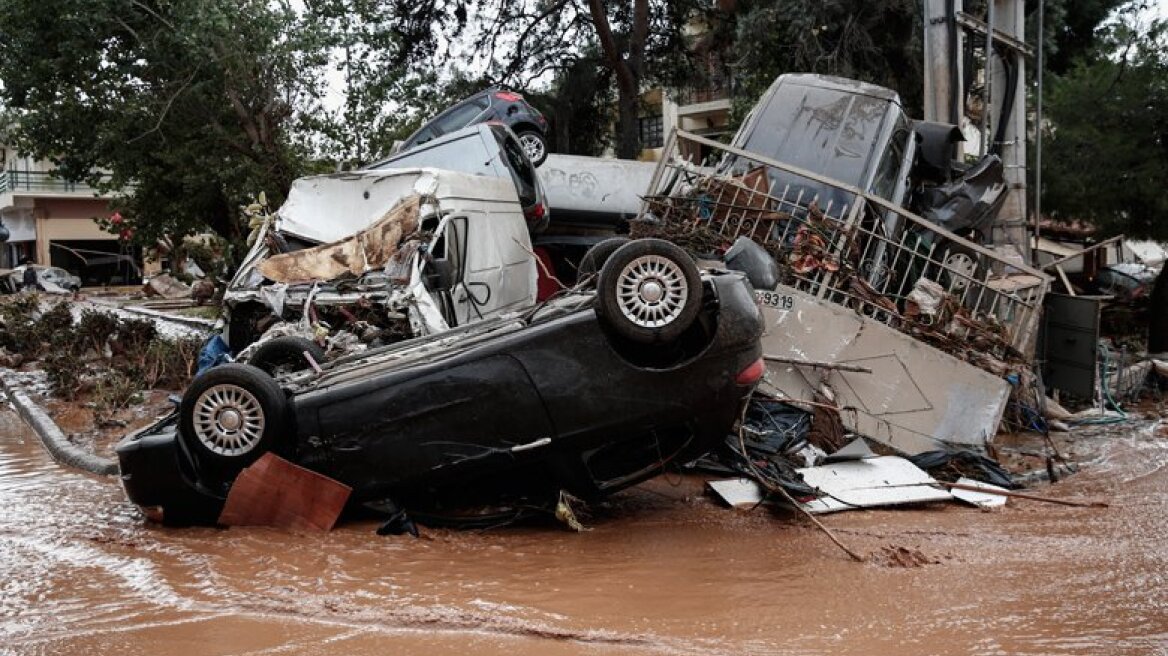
(275,492)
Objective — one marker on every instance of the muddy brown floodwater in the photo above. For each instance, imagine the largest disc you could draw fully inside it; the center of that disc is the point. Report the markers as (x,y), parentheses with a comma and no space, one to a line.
(664,571)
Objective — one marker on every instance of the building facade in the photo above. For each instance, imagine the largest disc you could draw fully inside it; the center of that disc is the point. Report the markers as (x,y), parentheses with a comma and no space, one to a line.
(51,222)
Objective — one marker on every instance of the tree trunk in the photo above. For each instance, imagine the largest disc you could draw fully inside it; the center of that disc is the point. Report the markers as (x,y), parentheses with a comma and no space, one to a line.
(628,143)
(628,71)
(1158,315)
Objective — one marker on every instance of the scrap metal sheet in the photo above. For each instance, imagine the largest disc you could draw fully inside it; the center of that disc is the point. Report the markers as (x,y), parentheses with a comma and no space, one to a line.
(916,399)
(882,481)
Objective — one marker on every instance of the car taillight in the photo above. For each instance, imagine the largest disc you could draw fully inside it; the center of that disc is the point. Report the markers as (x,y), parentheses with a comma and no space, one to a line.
(536,212)
(507,96)
(752,373)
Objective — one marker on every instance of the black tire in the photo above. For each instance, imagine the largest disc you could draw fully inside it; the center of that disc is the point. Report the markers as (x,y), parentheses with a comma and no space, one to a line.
(649,291)
(596,256)
(218,407)
(959,264)
(535,145)
(285,354)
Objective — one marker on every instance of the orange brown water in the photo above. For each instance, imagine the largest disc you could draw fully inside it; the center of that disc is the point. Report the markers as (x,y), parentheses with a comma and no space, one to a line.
(664,571)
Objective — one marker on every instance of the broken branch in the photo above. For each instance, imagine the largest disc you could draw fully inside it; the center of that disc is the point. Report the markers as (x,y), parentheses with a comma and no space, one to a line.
(1030,497)
(817,364)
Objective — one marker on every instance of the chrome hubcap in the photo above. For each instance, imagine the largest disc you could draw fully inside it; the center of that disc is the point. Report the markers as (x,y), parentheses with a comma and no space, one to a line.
(651,291)
(532,146)
(228,420)
(964,267)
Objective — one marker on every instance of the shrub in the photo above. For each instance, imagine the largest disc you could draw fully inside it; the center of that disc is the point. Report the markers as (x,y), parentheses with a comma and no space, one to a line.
(134,337)
(113,392)
(55,326)
(66,373)
(94,329)
(20,333)
(170,363)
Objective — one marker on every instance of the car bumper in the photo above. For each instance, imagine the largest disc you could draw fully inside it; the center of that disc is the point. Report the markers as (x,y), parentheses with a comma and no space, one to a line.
(156,474)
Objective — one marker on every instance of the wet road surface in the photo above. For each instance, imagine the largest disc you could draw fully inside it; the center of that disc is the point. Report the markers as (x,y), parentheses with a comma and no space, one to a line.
(664,571)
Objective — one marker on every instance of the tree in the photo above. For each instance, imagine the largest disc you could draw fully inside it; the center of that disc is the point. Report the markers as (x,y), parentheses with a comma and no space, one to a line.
(190,103)
(522,42)
(878,42)
(1106,153)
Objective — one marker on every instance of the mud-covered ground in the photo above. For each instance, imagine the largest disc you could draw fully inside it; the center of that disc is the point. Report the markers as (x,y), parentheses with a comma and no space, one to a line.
(663,571)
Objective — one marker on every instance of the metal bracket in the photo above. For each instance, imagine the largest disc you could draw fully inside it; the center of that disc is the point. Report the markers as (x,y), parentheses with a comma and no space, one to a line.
(1002,39)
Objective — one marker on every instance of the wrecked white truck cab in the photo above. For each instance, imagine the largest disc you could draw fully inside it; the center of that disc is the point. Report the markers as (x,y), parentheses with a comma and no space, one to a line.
(380,256)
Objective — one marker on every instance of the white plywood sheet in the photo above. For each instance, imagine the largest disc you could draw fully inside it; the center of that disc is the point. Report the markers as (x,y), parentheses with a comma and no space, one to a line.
(882,481)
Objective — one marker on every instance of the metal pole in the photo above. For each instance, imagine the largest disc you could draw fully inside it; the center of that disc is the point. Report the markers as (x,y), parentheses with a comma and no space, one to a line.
(1038,140)
(988,110)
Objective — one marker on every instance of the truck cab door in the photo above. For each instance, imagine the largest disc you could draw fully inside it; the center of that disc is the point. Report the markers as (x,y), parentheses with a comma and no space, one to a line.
(498,272)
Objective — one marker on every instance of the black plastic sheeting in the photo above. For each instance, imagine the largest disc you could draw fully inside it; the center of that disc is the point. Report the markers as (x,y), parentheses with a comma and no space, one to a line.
(772,430)
(951,465)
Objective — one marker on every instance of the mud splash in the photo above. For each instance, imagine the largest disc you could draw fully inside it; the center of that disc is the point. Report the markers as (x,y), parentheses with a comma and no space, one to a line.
(663,572)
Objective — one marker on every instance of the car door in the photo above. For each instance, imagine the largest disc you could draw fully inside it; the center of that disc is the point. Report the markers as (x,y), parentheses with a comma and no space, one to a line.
(446,419)
(497,266)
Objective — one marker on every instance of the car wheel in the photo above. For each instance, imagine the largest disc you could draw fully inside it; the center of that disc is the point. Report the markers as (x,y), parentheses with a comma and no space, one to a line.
(232,414)
(535,145)
(285,354)
(960,266)
(596,256)
(649,291)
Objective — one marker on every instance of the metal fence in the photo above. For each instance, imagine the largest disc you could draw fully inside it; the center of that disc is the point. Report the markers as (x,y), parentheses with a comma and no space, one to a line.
(840,244)
(43,182)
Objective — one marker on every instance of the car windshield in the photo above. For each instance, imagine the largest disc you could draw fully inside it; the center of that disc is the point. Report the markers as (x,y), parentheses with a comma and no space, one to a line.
(825,131)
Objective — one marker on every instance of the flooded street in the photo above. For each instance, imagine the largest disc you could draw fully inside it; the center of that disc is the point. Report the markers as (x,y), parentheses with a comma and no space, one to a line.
(664,571)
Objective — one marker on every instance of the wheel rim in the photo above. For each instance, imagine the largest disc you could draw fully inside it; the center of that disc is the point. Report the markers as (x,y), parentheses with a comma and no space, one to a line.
(228,420)
(963,267)
(533,146)
(651,291)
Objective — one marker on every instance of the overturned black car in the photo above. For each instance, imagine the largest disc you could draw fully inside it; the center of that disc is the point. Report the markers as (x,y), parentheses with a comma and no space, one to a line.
(590,392)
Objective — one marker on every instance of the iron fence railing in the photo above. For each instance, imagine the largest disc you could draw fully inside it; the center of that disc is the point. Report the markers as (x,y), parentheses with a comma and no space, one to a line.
(43,182)
(838,243)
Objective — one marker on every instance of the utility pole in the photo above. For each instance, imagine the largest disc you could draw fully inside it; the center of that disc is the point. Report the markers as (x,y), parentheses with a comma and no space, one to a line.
(1008,73)
(944,45)
(1003,78)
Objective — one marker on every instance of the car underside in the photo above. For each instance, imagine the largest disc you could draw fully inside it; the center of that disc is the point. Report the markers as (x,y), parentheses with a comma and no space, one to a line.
(589,393)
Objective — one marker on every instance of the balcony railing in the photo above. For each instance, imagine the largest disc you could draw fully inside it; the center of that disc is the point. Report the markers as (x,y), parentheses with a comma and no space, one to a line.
(45,183)
(696,96)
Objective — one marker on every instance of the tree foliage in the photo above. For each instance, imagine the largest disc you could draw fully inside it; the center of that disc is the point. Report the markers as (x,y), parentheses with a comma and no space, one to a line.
(189,102)
(1106,151)
(197,105)
(878,42)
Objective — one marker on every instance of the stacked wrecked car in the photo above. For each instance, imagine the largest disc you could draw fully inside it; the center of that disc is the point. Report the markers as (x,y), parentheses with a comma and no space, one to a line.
(492,399)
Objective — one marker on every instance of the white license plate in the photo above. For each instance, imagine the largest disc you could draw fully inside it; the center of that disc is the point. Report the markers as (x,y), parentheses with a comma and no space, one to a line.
(775,300)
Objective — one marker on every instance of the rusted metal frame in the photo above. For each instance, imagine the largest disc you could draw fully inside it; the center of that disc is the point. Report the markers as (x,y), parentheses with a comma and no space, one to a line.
(859,194)
(670,146)
(1000,38)
(817,364)
(1068,258)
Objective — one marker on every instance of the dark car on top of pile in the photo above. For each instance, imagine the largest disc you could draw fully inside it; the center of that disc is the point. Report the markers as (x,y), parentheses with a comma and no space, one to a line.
(496,103)
(595,390)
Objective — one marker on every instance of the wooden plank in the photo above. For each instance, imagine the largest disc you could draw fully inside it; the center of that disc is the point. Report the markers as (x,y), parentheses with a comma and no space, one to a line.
(275,492)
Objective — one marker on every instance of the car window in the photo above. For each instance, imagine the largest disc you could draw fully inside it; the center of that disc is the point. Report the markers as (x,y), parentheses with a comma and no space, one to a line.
(888,173)
(425,134)
(461,116)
